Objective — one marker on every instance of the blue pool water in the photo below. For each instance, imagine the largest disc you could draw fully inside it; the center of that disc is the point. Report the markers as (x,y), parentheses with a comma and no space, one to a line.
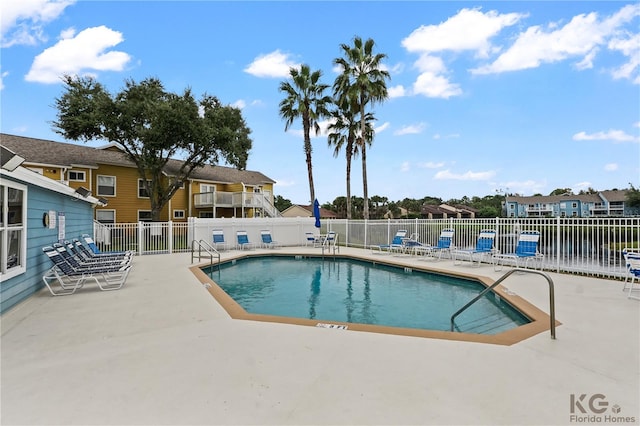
(353,291)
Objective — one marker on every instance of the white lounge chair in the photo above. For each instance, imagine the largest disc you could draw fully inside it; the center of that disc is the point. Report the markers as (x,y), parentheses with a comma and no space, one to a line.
(526,252)
(218,240)
(267,240)
(330,242)
(484,248)
(632,261)
(395,244)
(243,240)
(312,239)
(444,245)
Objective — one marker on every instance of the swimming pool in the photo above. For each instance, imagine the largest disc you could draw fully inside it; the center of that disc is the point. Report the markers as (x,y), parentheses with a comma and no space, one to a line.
(370,296)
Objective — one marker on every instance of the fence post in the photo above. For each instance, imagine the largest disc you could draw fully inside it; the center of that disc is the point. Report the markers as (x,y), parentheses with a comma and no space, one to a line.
(170,236)
(558,251)
(366,227)
(140,238)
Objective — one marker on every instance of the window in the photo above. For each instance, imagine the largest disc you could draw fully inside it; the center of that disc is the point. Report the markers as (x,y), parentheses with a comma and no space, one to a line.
(142,191)
(178,214)
(107,185)
(144,215)
(106,216)
(206,215)
(76,176)
(13,232)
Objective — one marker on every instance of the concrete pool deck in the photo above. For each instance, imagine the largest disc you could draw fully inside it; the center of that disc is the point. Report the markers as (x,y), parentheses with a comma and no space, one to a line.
(162,351)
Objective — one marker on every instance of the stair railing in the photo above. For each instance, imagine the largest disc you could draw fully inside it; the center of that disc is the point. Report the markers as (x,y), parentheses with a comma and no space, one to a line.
(552,309)
(203,245)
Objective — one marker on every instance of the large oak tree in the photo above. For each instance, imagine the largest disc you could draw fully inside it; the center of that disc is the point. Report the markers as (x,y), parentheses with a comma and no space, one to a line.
(154,126)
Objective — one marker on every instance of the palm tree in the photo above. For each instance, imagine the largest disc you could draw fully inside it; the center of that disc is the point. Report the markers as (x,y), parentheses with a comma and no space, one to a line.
(362,78)
(305,100)
(344,131)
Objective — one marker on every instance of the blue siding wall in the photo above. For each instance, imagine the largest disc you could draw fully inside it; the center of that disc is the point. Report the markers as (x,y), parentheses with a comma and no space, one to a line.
(78,221)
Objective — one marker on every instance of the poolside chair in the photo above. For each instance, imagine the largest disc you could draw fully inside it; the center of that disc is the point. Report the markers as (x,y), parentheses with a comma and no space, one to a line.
(94,247)
(218,240)
(243,240)
(444,245)
(330,242)
(66,251)
(395,244)
(526,252)
(70,278)
(267,240)
(84,253)
(484,247)
(632,263)
(409,245)
(312,239)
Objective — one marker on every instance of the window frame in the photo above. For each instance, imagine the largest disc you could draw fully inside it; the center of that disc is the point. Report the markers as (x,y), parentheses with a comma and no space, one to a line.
(145,212)
(98,185)
(6,228)
(77,172)
(106,211)
(141,188)
(177,211)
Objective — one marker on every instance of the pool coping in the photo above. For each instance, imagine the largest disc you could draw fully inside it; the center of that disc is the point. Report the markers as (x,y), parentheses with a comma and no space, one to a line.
(540,320)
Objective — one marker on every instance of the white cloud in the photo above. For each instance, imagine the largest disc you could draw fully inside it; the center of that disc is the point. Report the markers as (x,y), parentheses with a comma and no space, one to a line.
(435,86)
(527,187)
(629,47)
(285,183)
(411,129)
(275,64)
(431,165)
(438,136)
(611,135)
(474,176)
(381,128)
(611,167)
(636,124)
(2,76)
(21,21)
(580,186)
(579,38)
(396,91)
(84,53)
(240,104)
(469,29)
(405,166)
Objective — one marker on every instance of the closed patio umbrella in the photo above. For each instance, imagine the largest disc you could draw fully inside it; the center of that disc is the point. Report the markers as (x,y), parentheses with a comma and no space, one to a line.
(316,212)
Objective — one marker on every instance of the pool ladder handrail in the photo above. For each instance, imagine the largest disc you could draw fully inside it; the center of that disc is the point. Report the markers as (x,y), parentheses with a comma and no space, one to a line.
(552,309)
(208,248)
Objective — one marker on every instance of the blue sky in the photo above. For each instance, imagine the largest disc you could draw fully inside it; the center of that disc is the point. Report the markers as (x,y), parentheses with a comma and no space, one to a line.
(523,97)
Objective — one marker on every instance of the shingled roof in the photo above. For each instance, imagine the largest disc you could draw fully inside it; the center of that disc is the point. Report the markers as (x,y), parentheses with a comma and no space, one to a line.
(62,154)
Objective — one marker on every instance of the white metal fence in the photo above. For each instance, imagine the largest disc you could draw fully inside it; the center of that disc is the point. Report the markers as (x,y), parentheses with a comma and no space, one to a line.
(573,245)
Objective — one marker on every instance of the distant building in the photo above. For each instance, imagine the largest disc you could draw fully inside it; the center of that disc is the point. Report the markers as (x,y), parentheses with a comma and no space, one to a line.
(602,204)
(444,211)
(297,210)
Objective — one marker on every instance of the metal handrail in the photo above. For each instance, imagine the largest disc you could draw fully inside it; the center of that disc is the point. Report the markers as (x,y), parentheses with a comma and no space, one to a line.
(204,245)
(552,309)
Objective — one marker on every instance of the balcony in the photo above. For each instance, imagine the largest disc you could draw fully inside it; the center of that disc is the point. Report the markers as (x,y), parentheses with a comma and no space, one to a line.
(220,199)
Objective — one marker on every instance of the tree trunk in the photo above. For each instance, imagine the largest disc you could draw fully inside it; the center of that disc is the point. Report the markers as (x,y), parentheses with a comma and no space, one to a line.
(348,185)
(363,136)
(307,150)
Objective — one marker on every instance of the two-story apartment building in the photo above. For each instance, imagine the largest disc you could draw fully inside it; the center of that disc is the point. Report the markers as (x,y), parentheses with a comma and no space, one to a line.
(602,204)
(211,191)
